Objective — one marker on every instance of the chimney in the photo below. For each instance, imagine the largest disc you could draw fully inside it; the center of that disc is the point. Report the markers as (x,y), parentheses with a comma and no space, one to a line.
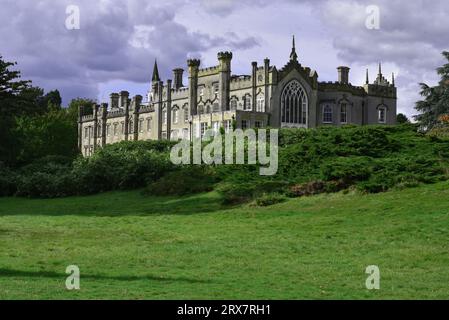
(124,95)
(177,76)
(114,100)
(343,75)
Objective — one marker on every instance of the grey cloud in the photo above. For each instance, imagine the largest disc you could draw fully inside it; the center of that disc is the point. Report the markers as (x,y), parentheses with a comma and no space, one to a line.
(102,50)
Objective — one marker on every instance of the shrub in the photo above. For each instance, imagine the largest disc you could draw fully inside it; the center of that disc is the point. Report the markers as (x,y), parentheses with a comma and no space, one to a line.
(125,165)
(349,170)
(183,181)
(8,181)
(235,193)
(266,200)
(45,185)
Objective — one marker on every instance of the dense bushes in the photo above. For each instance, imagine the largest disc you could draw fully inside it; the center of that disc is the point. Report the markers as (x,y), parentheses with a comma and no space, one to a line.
(8,181)
(183,181)
(370,159)
(126,165)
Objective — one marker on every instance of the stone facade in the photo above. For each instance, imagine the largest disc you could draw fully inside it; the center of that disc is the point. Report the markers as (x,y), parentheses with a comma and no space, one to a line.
(214,98)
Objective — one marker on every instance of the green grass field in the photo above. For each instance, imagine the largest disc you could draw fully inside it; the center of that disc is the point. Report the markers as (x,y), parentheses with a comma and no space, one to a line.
(129,246)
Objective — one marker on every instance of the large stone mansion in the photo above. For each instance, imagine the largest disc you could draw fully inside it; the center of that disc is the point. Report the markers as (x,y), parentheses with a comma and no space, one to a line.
(215,98)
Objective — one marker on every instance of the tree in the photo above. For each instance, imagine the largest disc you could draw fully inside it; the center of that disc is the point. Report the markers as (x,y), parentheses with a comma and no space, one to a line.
(52,133)
(402,118)
(436,99)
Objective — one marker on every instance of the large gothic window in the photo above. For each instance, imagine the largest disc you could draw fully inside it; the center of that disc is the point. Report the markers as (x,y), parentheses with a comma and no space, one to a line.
(294,104)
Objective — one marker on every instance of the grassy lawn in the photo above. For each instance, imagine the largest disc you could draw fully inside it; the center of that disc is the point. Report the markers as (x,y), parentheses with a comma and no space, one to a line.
(134,247)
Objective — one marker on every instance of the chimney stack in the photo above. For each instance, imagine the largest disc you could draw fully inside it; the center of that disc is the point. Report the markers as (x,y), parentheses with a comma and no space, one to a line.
(343,75)
(177,76)
(123,99)
(114,100)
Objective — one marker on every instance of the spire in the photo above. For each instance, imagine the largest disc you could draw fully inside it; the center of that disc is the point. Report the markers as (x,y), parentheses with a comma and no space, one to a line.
(367,77)
(293,55)
(156,77)
(380,69)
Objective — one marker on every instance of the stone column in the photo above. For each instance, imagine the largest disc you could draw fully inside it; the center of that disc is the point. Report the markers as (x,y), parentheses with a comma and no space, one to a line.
(254,86)
(95,127)
(169,120)
(80,128)
(126,129)
(224,59)
(104,120)
(193,65)
(160,89)
(137,101)
(267,79)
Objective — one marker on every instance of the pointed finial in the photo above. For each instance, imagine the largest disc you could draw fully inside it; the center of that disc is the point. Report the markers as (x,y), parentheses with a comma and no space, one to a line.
(367,77)
(392,79)
(380,68)
(293,55)
(156,77)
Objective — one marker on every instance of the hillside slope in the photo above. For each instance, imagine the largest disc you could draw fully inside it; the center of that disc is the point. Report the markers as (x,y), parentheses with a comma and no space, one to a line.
(133,247)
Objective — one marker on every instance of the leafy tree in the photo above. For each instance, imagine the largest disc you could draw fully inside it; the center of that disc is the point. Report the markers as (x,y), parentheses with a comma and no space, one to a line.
(52,133)
(78,102)
(436,99)
(402,118)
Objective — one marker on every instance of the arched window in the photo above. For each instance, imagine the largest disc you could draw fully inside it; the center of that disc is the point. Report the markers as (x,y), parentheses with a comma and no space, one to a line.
(294,104)
(382,115)
(233,104)
(200,109)
(175,116)
(260,104)
(327,114)
(247,106)
(186,114)
(343,113)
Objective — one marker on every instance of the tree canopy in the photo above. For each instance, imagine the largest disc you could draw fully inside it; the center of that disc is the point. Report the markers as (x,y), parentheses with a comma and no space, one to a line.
(436,99)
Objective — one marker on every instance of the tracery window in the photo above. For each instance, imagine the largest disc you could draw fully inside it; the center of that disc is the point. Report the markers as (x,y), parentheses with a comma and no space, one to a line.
(294,104)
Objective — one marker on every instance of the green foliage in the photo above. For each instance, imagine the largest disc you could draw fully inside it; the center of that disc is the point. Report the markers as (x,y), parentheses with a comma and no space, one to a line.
(125,165)
(269,199)
(53,133)
(8,181)
(436,99)
(185,180)
(239,192)
(349,169)
(402,118)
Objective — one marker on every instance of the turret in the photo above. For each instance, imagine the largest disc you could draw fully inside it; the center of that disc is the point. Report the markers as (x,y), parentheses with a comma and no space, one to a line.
(193,65)
(224,59)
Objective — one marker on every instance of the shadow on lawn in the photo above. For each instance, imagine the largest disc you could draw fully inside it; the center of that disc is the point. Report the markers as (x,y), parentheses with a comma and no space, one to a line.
(63,276)
(113,204)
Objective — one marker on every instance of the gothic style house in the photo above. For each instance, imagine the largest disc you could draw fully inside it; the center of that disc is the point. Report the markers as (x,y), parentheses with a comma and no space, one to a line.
(215,98)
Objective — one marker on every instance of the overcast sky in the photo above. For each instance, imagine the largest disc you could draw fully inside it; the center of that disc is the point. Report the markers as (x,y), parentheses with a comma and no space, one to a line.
(118,40)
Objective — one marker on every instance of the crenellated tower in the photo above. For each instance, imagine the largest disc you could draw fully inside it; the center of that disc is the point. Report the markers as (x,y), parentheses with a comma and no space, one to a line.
(224,59)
